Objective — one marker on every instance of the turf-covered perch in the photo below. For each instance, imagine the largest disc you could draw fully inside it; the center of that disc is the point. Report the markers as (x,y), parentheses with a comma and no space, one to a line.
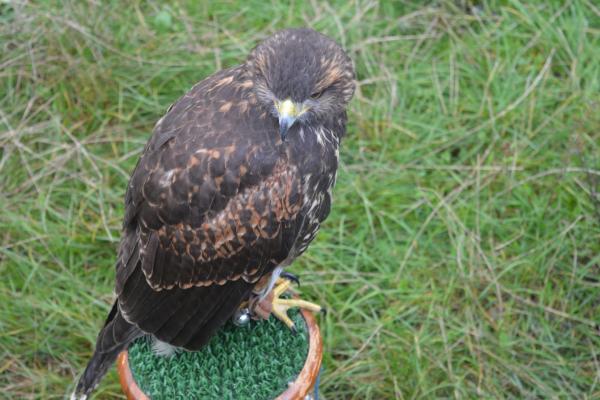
(257,361)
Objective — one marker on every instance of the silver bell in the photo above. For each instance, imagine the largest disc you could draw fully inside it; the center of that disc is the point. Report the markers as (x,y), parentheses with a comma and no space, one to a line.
(242,317)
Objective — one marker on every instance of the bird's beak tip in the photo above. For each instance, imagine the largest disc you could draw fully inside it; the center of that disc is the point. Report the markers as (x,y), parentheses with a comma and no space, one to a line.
(285,123)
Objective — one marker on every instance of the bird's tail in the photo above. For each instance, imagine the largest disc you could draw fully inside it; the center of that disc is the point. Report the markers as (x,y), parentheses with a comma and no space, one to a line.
(114,337)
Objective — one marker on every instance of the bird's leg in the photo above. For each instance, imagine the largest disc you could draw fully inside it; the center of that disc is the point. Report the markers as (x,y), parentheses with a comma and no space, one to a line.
(274,304)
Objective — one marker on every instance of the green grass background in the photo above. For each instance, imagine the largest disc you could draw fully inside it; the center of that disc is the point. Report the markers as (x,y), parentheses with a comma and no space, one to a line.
(461,258)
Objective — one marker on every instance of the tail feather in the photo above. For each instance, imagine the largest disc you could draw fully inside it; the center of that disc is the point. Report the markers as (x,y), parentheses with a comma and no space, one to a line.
(114,337)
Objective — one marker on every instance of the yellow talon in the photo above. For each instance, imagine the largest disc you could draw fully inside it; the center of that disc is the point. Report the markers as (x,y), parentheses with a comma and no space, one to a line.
(261,307)
(307,305)
(281,287)
(281,314)
(281,306)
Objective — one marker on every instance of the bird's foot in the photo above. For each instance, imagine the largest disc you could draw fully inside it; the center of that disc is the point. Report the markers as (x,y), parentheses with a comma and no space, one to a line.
(279,306)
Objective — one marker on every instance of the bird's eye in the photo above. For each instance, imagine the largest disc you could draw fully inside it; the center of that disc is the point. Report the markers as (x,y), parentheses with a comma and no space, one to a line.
(316,95)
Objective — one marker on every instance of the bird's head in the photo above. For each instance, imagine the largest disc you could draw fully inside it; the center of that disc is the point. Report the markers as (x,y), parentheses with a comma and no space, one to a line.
(301,76)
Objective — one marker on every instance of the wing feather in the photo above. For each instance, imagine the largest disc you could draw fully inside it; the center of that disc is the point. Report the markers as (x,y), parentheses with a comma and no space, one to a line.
(182,317)
(208,235)
(210,209)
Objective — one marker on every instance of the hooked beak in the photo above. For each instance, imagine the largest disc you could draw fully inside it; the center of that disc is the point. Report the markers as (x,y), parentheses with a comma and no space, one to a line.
(285,123)
(288,112)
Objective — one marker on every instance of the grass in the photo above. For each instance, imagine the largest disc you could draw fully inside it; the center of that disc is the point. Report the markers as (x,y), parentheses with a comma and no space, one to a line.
(462,256)
(255,362)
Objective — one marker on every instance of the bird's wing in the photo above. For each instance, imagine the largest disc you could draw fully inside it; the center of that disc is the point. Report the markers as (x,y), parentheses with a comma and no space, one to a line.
(199,224)
(206,205)
(212,206)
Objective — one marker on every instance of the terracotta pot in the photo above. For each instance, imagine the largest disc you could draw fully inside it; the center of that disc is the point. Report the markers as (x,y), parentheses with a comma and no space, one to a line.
(302,386)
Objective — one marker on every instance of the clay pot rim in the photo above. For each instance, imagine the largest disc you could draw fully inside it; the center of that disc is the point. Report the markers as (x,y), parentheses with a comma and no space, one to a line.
(297,390)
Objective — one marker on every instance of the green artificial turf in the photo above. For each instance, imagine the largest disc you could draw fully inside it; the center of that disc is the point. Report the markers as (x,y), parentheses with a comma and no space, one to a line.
(251,362)
(461,258)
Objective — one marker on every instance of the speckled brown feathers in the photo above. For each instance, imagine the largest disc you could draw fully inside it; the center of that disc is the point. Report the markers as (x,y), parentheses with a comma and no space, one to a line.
(209,196)
(217,197)
(217,200)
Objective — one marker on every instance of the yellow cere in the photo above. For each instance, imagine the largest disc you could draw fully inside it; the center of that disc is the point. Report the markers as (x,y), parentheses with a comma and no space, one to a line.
(290,109)
(287,108)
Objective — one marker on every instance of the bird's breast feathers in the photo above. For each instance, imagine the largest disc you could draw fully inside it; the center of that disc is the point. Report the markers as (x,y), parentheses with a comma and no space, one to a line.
(218,196)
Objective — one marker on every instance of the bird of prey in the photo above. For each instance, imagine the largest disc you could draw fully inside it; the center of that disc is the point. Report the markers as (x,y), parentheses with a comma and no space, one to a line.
(230,189)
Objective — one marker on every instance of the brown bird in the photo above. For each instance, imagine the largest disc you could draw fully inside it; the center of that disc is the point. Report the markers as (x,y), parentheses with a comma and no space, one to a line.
(231,188)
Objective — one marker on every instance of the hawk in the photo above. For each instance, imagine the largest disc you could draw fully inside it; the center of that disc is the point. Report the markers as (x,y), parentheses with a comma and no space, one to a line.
(231,188)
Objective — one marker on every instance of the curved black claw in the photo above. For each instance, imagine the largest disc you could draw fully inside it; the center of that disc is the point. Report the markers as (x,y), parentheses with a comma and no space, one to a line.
(290,277)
